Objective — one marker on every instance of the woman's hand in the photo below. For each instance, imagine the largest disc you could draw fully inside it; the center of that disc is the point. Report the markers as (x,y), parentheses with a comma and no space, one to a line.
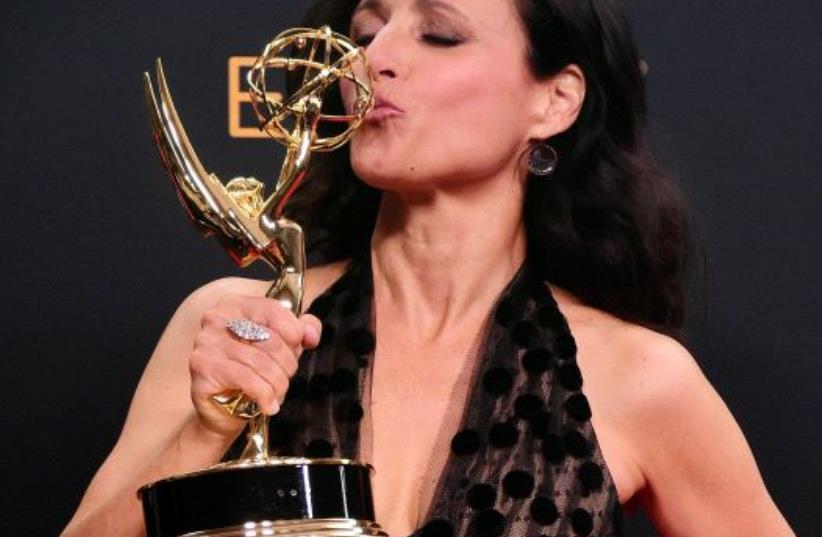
(222,362)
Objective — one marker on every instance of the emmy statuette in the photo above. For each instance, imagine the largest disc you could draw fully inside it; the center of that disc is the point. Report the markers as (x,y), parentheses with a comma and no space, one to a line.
(260,494)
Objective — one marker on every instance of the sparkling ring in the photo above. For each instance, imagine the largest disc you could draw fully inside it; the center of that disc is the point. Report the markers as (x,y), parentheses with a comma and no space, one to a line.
(248,330)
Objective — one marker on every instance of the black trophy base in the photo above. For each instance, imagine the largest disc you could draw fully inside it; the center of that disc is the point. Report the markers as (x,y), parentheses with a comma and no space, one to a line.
(278,497)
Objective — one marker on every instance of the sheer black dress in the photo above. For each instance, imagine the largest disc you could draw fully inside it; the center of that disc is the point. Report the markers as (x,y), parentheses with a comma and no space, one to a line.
(524,460)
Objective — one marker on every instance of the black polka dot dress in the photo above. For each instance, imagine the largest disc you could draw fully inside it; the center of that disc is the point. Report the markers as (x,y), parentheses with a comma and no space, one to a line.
(524,461)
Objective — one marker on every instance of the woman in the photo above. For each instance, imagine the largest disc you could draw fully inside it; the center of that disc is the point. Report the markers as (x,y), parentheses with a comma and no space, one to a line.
(511,238)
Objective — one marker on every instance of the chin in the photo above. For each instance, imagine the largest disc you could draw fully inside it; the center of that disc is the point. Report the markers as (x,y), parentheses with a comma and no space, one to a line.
(374,167)
(378,163)
(376,177)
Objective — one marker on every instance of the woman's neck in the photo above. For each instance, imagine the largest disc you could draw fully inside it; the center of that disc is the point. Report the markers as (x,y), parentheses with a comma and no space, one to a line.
(440,260)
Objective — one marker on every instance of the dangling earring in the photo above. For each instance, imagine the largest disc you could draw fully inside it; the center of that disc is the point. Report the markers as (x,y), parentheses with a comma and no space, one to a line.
(542,159)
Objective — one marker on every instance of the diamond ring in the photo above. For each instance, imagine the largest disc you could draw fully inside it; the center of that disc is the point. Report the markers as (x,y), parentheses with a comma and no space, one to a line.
(248,330)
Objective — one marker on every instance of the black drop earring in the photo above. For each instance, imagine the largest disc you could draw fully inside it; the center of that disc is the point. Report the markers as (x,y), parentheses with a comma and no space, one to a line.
(542,159)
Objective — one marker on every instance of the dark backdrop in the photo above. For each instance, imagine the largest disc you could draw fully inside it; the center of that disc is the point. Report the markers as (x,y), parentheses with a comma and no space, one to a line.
(97,252)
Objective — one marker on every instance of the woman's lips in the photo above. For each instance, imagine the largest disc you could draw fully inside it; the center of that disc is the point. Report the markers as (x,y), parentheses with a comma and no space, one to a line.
(383,109)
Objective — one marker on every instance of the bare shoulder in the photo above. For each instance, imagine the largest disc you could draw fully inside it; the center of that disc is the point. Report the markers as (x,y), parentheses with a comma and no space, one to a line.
(628,370)
(170,358)
(317,280)
(641,364)
(641,381)
(668,436)
(320,278)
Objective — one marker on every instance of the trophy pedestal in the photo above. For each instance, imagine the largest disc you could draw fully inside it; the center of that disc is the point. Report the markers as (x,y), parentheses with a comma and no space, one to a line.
(276,497)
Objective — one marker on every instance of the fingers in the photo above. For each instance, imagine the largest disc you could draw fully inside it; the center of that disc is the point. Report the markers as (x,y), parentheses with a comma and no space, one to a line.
(273,359)
(303,332)
(312,330)
(211,376)
(262,370)
(265,311)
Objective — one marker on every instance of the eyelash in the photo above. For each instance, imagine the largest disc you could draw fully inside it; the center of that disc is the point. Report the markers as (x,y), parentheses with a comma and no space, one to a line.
(432,39)
(441,40)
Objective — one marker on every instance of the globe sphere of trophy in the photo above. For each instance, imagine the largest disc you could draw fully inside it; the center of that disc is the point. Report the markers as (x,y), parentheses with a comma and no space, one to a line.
(261,494)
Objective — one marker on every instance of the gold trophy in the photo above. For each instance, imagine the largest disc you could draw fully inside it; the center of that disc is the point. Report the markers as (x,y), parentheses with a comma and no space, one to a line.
(260,494)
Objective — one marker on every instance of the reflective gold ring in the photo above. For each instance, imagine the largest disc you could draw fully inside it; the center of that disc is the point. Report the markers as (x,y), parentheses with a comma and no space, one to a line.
(236,404)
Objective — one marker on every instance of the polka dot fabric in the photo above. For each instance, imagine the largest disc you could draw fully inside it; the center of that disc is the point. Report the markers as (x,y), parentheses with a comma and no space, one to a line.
(524,461)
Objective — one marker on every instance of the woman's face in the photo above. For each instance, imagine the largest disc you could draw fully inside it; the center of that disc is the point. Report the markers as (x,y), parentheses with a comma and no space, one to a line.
(455,99)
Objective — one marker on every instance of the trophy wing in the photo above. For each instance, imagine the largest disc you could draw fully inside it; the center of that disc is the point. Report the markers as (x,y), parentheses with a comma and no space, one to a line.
(201,193)
(210,205)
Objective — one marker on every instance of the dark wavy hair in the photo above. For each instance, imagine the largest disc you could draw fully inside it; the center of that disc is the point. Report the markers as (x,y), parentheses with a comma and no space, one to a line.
(609,226)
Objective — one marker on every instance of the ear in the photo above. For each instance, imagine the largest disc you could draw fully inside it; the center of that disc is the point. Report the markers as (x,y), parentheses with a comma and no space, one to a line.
(559,102)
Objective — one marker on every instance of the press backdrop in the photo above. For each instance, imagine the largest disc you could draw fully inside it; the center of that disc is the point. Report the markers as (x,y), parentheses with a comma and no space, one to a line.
(97,253)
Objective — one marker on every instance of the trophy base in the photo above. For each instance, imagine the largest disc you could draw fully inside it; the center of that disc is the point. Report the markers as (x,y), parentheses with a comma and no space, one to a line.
(278,496)
(320,527)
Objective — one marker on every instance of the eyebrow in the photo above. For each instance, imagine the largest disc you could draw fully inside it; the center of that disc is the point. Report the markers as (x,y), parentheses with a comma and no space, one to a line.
(370,5)
(423,6)
(439,5)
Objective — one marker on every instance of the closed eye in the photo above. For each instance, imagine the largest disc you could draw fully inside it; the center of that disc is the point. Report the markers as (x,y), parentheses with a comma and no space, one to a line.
(441,40)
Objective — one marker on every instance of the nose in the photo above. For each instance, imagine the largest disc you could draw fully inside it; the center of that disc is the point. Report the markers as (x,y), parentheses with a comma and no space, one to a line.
(385,73)
(382,55)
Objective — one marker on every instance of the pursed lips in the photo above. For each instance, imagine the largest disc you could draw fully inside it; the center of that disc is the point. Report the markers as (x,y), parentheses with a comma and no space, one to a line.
(383,109)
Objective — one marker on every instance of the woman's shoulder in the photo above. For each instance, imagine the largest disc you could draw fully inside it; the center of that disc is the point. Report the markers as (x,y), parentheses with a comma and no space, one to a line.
(666,429)
(628,352)
(170,358)
(317,280)
(636,380)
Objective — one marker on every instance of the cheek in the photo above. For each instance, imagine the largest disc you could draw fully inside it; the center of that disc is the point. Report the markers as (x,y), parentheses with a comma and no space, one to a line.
(348,94)
(482,96)
(459,90)
(477,113)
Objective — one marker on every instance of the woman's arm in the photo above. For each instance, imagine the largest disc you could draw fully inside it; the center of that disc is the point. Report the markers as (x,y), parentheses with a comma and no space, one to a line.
(172,427)
(162,435)
(700,473)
